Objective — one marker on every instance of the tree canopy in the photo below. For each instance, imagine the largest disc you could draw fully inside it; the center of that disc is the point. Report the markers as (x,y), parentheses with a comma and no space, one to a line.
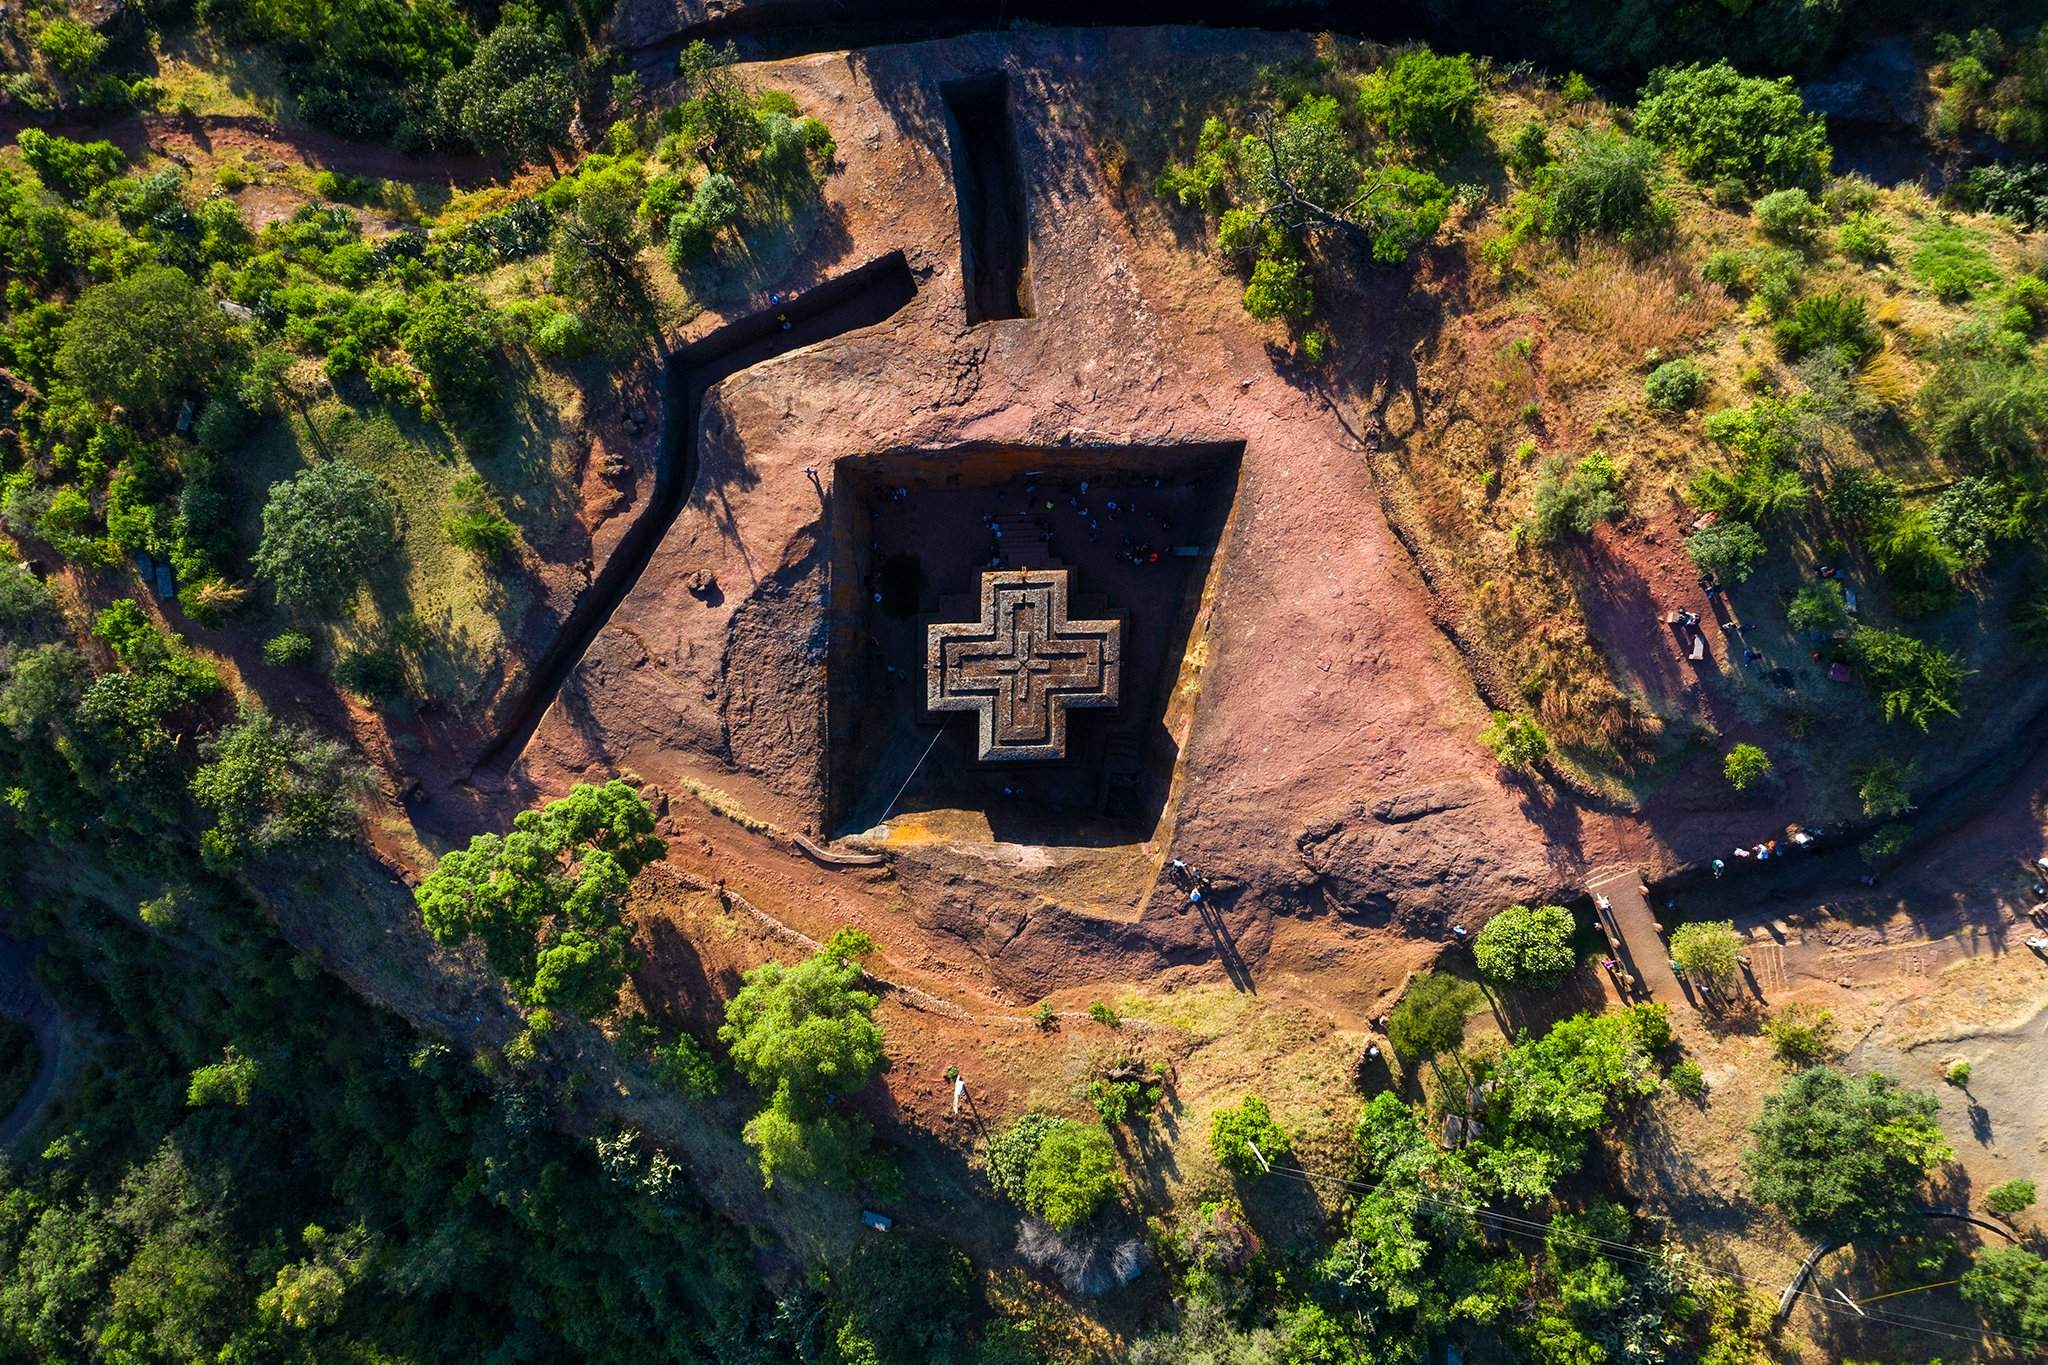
(515,97)
(1430,1018)
(546,900)
(143,342)
(324,530)
(1845,1156)
(1526,946)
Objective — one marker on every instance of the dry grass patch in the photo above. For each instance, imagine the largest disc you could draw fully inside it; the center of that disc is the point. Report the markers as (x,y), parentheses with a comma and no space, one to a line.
(1613,310)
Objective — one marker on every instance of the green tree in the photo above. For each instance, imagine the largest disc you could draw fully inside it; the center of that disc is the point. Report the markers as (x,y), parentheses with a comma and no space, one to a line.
(1723,126)
(1745,766)
(1885,789)
(1526,945)
(1424,100)
(1559,1089)
(1605,185)
(714,206)
(1429,1021)
(1818,607)
(546,901)
(1729,549)
(515,97)
(144,342)
(1233,1133)
(2009,1286)
(324,530)
(1912,679)
(596,267)
(72,47)
(1710,949)
(271,785)
(1072,1174)
(1845,1156)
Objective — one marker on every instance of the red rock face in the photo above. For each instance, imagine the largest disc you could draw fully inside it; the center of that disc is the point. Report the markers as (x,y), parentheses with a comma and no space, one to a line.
(1317,736)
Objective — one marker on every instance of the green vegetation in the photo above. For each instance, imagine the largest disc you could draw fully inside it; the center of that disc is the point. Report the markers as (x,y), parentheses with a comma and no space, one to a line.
(1526,946)
(1059,1170)
(1573,501)
(324,531)
(1429,1021)
(1709,950)
(1516,741)
(1605,185)
(1801,1033)
(1845,1156)
(1913,680)
(1721,126)
(1675,386)
(1728,549)
(2010,1197)
(1240,1137)
(1745,766)
(2009,1286)
(545,902)
(806,1036)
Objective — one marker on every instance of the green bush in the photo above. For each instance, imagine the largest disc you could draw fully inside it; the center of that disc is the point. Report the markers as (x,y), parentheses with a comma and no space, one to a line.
(143,342)
(1952,262)
(1573,503)
(562,336)
(1280,290)
(1885,788)
(1688,1080)
(474,520)
(372,674)
(1837,322)
(72,47)
(1845,1156)
(1515,741)
(1865,238)
(452,337)
(1606,185)
(1709,949)
(1791,217)
(1529,152)
(1526,946)
(1984,402)
(270,785)
(687,1065)
(1745,766)
(1426,101)
(1973,516)
(2014,1196)
(714,206)
(288,649)
(1800,1033)
(1912,679)
(2009,1286)
(1072,1174)
(1007,1155)
(72,169)
(1233,1133)
(22,594)
(1818,608)
(1722,125)
(1675,386)
(1729,549)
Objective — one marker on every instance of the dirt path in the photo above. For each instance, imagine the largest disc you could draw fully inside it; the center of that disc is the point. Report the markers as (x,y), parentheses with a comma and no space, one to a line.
(23,997)
(214,136)
(1644,945)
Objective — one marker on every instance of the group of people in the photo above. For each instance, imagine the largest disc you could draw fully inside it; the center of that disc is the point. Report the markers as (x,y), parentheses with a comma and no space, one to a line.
(1195,883)
(1797,838)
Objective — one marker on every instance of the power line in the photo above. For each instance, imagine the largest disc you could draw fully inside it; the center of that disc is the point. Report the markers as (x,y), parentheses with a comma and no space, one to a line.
(1534,1228)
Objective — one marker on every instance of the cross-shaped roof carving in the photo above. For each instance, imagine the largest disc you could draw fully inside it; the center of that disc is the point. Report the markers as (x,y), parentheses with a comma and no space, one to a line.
(1023,665)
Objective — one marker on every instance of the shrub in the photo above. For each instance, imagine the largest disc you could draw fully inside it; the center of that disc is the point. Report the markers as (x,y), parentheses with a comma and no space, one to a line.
(1912,679)
(72,47)
(1721,125)
(1728,549)
(687,1065)
(1801,1033)
(1983,402)
(1953,263)
(1526,946)
(1071,1175)
(1574,503)
(22,594)
(288,649)
(2014,1196)
(1103,1015)
(1790,217)
(1429,1019)
(372,674)
(1688,1080)
(1861,499)
(474,521)
(1233,1133)
(1972,516)
(1957,1074)
(1887,843)
(72,169)
(1818,608)
(1675,386)
(450,336)
(1516,741)
(1745,765)
(271,785)
(1709,949)
(1838,322)
(1884,788)
(1865,238)
(1606,185)
(516,96)
(714,206)
(1121,1099)
(2009,1286)
(562,336)
(323,531)
(1280,290)
(1530,150)
(1008,1154)
(1426,101)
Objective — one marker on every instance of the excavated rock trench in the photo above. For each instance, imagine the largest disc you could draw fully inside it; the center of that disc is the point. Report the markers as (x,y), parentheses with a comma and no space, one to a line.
(860,298)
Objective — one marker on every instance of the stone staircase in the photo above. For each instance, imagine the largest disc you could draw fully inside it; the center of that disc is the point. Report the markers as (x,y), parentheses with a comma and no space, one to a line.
(1022,542)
